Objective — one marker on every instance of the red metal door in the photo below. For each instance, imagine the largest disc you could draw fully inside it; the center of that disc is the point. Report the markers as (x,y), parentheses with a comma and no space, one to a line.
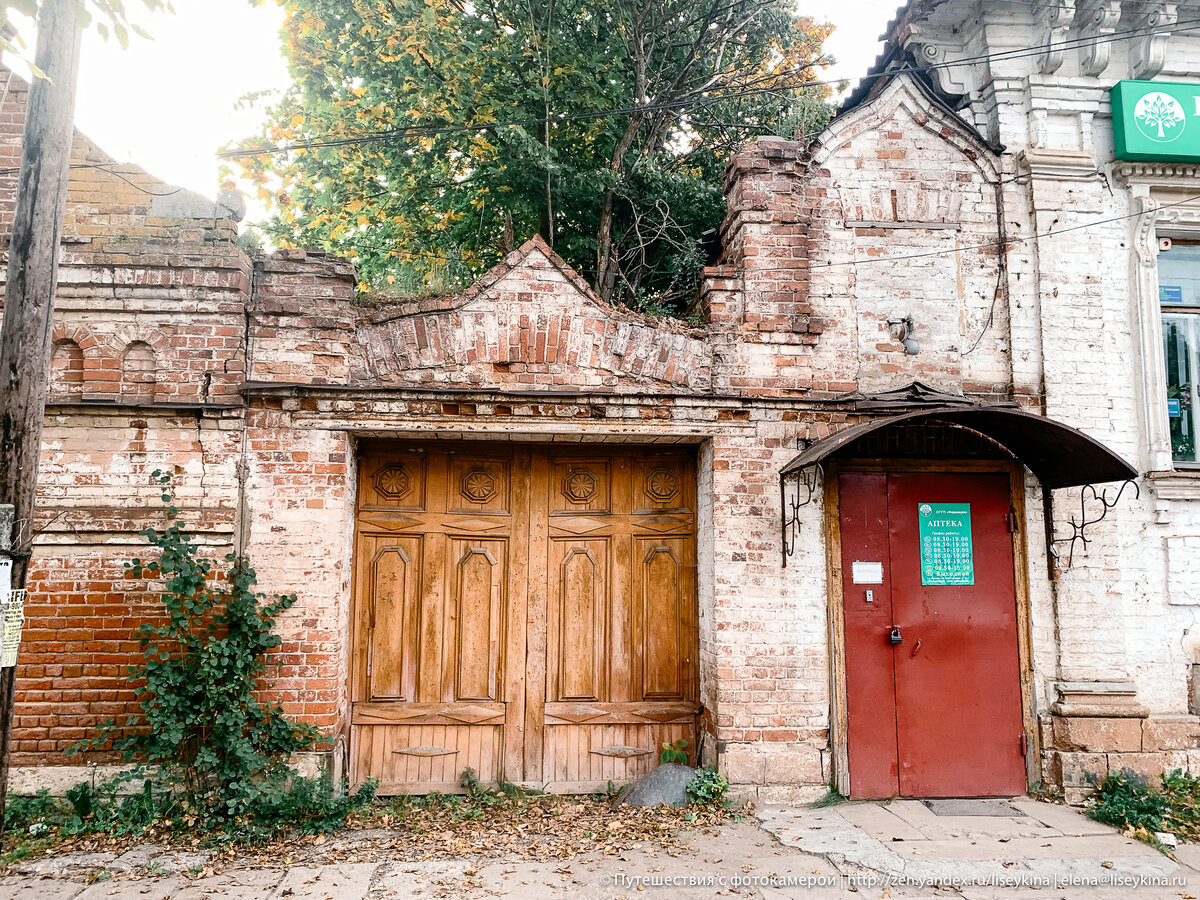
(955,702)
(870,675)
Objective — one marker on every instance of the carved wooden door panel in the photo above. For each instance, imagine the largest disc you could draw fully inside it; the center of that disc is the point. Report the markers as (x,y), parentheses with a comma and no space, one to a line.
(439,615)
(620,667)
(527,612)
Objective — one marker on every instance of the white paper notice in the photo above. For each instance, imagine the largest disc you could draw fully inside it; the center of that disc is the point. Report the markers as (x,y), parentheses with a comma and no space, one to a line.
(867,572)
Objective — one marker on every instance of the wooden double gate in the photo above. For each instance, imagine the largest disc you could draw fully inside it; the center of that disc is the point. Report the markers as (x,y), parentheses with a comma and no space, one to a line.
(525,611)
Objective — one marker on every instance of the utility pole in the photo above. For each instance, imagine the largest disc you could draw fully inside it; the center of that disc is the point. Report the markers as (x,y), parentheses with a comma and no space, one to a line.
(25,337)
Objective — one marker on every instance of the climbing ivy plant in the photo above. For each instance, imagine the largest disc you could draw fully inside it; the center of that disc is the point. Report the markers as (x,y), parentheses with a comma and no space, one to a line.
(215,746)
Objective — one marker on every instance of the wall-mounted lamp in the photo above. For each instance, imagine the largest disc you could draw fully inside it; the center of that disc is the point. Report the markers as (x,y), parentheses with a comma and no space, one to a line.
(902,333)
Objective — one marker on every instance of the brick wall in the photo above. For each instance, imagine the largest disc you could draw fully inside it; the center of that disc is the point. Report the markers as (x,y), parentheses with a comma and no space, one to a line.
(252,380)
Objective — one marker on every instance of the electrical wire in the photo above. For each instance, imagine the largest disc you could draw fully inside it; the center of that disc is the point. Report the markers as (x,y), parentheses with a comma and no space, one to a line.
(107,168)
(998,245)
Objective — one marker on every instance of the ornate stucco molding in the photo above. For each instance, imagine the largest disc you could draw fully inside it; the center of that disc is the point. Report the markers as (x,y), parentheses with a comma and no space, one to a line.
(1148,325)
(952,78)
(1096,19)
(1148,52)
(1055,23)
(1042,163)
(1158,174)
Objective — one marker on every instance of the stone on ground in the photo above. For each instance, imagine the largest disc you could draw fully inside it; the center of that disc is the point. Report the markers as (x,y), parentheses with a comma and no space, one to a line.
(666,784)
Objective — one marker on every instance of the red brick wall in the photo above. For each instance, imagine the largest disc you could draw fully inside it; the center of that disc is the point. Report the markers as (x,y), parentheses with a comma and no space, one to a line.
(78,643)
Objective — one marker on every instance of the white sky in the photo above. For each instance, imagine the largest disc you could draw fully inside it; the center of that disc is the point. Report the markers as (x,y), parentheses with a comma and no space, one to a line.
(167,104)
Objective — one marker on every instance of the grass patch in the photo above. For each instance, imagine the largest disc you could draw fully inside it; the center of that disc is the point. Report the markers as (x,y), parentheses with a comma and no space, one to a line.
(486,821)
(1140,809)
(110,816)
(830,798)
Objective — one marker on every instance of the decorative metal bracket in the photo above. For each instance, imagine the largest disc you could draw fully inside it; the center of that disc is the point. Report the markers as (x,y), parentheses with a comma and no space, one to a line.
(807,481)
(1079,526)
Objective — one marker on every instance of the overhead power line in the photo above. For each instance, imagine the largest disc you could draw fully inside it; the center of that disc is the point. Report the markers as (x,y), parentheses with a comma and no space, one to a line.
(1003,244)
(109,169)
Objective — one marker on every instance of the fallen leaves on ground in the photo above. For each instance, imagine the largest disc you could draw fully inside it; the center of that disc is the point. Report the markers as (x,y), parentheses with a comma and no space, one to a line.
(535,828)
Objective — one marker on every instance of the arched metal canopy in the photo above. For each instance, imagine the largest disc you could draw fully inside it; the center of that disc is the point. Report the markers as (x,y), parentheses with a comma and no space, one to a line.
(1059,455)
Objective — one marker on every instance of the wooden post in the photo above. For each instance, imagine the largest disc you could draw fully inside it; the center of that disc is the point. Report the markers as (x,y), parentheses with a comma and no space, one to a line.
(25,338)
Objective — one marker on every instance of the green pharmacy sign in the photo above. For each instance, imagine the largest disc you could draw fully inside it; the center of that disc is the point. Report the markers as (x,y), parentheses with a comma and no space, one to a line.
(945,533)
(1157,121)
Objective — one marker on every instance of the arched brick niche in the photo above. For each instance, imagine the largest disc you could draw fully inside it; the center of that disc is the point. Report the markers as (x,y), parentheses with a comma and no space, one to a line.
(66,369)
(139,372)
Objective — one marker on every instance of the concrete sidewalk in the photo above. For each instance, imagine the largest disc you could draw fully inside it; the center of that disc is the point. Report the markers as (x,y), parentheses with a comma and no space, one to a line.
(976,850)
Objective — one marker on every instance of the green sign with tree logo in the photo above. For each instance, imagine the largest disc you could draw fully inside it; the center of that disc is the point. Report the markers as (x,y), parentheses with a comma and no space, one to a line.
(1157,121)
(945,533)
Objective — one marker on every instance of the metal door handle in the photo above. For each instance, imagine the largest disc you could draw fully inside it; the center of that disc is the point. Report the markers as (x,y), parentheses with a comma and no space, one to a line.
(916,649)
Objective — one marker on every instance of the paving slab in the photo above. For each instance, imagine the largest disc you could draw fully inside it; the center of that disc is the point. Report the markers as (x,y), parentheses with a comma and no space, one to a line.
(879,822)
(1099,847)
(832,853)
(948,827)
(135,860)
(65,864)
(741,860)
(1066,819)
(233,884)
(1189,855)
(131,889)
(17,887)
(972,807)
(1002,864)
(349,881)
(432,878)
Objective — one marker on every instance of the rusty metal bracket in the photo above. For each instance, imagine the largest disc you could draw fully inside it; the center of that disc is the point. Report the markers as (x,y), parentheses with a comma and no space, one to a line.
(1078,535)
(807,481)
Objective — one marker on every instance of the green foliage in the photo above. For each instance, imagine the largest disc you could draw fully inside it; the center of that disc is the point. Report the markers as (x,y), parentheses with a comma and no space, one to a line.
(22,811)
(831,797)
(1046,793)
(480,794)
(429,137)
(1126,801)
(200,722)
(707,786)
(311,805)
(673,752)
(211,754)
(805,116)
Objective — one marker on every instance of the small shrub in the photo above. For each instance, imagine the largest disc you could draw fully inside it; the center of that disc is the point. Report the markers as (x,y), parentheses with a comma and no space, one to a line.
(212,756)
(674,752)
(310,805)
(200,722)
(1126,801)
(708,786)
(479,794)
(23,811)
(1182,791)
